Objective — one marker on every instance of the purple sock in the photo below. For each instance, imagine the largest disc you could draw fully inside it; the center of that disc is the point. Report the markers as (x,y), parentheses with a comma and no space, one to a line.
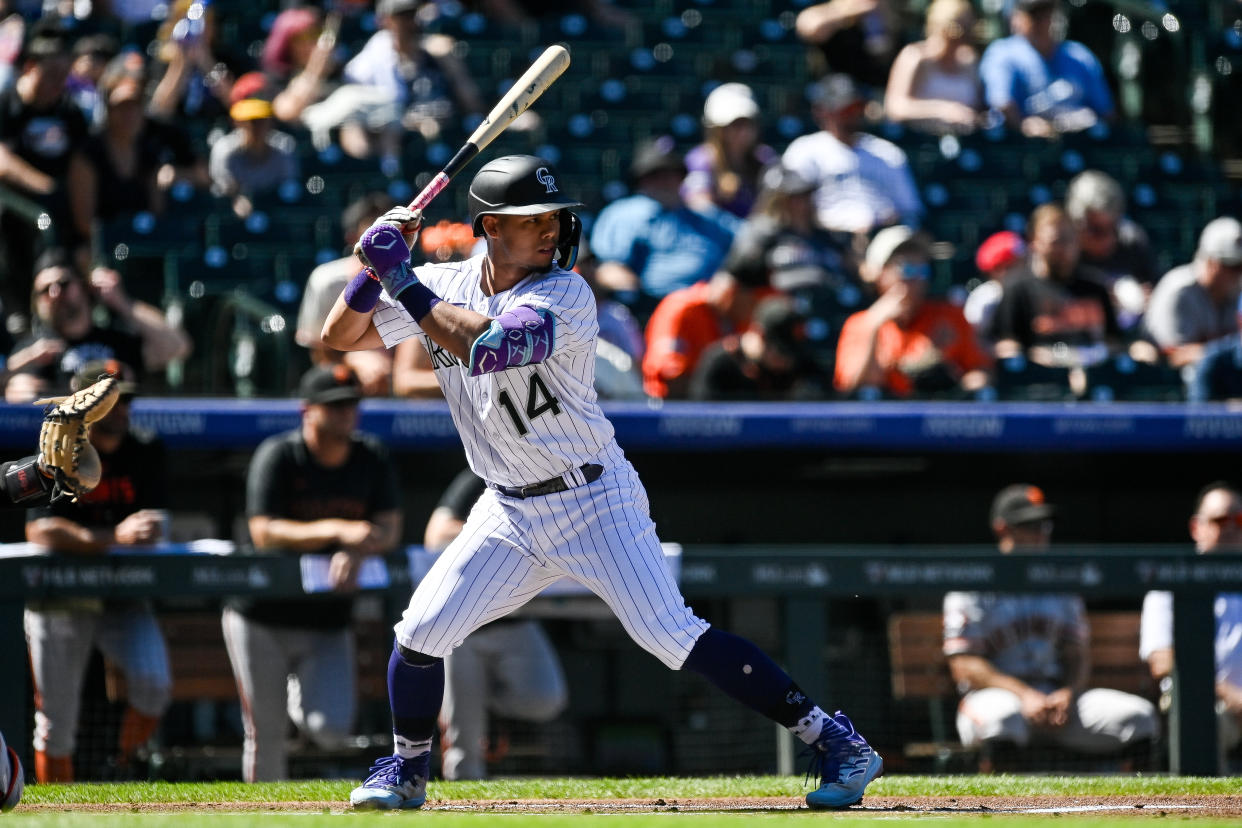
(415,693)
(746,673)
(362,292)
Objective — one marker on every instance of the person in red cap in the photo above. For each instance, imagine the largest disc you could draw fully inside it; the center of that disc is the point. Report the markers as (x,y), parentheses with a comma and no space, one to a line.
(1000,255)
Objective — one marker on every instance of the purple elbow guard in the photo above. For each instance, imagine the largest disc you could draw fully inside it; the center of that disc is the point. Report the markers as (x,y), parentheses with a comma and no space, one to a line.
(522,336)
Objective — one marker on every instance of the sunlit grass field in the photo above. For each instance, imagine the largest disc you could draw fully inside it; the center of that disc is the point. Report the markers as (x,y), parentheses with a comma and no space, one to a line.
(637,788)
(136,804)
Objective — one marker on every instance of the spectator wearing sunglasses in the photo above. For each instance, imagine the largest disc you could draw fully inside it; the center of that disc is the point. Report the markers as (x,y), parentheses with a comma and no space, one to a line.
(1057,312)
(66,333)
(1023,661)
(1111,242)
(1194,304)
(1215,526)
(905,344)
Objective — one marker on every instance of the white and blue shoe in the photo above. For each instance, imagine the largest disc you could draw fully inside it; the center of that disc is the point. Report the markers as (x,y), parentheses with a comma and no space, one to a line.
(846,764)
(394,783)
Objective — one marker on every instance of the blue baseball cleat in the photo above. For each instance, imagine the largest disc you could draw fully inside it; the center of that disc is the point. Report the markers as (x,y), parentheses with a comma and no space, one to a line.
(394,783)
(847,764)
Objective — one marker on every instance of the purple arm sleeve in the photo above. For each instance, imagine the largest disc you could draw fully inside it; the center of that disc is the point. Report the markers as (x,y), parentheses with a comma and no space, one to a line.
(522,336)
(362,293)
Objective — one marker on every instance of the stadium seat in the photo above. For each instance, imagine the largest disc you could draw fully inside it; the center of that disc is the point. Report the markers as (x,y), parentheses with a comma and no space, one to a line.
(1122,378)
(1017,378)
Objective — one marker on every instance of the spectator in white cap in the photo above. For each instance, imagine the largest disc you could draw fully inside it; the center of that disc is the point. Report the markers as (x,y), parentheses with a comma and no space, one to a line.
(905,344)
(934,84)
(1195,303)
(862,182)
(724,169)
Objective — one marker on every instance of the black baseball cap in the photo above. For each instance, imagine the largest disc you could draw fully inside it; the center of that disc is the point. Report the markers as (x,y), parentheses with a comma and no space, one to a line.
(1021,503)
(1031,5)
(656,155)
(325,384)
(781,324)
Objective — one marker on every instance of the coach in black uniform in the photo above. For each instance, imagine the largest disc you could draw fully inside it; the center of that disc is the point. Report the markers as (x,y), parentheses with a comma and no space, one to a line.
(324,489)
(124,509)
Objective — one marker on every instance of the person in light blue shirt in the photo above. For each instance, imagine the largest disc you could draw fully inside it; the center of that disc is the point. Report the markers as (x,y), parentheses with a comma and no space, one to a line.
(651,243)
(1041,84)
(1218,375)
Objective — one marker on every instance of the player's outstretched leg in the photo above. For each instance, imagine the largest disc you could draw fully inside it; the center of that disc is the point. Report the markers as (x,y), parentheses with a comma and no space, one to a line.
(844,761)
(415,693)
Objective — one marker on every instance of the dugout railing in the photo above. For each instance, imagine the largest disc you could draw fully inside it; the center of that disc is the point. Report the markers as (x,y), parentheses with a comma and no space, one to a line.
(805,579)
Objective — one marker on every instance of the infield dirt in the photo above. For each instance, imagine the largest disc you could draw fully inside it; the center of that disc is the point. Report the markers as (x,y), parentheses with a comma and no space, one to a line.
(1154,806)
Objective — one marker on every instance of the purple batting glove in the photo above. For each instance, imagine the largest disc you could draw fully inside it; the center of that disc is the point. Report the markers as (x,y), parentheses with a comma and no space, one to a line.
(383,247)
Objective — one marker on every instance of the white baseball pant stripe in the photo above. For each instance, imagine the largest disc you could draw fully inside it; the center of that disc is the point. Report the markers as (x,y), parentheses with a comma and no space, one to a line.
(599,535)
(60,643)
(288,673)
(1101,720)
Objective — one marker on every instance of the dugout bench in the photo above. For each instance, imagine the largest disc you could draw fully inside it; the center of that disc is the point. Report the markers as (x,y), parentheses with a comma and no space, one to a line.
(920,673)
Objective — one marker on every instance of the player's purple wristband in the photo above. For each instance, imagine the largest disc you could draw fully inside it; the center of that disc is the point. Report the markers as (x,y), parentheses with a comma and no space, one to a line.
(418,300)
(363,291)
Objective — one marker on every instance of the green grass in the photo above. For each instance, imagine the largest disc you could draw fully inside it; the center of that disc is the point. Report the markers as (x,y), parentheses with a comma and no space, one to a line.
(636,788)
(661,820)
(336,792)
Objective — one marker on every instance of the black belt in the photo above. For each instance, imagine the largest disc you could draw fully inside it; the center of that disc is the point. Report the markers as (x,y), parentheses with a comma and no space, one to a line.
(586,473)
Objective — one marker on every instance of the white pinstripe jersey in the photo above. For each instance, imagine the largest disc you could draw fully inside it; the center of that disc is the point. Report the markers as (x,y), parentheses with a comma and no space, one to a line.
(524,425)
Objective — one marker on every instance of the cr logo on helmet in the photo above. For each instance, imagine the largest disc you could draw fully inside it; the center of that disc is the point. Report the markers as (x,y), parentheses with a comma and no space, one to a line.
(544,177)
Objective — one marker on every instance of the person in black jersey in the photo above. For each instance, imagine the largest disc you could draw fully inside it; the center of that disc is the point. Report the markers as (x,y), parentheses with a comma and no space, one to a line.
(318,489)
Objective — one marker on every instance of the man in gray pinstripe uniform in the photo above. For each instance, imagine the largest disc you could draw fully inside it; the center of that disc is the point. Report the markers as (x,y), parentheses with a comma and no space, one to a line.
(512,335)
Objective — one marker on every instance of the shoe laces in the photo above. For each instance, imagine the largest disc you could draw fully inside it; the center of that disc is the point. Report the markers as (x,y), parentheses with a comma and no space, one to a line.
(833,753)
(392,771)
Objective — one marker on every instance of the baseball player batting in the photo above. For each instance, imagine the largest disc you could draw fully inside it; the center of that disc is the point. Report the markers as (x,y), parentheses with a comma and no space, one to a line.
(512,336)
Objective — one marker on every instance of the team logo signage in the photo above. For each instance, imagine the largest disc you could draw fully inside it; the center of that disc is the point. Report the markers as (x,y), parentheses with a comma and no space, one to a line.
(544,176)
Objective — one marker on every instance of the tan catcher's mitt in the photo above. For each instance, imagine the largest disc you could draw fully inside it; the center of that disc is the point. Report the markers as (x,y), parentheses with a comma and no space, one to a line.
(64,451)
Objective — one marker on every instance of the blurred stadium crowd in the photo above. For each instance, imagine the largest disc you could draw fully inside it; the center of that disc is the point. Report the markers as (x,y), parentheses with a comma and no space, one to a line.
(866,199)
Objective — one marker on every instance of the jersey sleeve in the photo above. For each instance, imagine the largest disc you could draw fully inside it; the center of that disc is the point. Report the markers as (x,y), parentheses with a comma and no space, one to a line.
(963,624)
(569,299)
(1156,623)
(997,75)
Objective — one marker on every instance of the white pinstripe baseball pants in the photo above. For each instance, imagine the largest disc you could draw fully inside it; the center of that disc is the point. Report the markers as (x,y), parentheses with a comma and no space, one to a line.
(600,535)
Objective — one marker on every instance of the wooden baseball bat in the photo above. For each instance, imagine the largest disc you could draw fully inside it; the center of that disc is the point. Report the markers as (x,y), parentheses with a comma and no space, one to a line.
(534,82)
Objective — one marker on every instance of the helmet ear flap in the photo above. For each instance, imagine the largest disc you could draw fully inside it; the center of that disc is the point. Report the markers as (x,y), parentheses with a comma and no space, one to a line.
(567,242)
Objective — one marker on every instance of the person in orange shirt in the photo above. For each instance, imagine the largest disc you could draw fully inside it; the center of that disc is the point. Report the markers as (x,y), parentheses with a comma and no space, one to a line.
(688,320)
(906,344)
